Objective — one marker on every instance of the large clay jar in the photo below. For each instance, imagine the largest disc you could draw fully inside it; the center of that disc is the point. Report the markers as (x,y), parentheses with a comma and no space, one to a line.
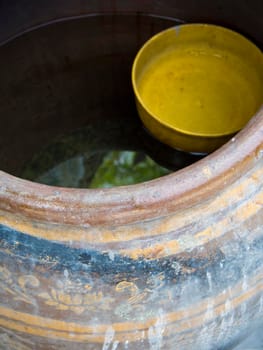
(174,263)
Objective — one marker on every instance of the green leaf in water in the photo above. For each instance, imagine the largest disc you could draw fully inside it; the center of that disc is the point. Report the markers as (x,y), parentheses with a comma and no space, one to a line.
(120,168)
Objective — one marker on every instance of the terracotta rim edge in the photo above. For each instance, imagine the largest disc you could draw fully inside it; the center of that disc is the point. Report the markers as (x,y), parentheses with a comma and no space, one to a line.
(143,201)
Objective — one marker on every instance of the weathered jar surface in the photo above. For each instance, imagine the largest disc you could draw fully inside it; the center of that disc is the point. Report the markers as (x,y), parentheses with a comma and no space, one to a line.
(173,263)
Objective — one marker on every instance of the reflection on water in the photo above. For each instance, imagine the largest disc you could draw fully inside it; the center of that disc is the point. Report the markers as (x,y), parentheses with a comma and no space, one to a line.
(98,156)
(104,155)
(114,168)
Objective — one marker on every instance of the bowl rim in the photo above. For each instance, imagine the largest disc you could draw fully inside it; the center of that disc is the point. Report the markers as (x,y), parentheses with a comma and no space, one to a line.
(176,29)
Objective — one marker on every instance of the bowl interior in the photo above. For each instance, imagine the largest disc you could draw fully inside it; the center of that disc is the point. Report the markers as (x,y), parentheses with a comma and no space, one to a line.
(199,79)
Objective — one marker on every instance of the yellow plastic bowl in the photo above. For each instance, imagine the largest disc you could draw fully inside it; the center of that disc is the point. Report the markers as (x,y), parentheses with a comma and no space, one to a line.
(196,85)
